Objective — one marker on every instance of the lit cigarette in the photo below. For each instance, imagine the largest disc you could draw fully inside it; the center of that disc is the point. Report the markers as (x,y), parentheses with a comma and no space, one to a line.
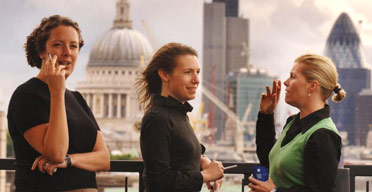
(230,167)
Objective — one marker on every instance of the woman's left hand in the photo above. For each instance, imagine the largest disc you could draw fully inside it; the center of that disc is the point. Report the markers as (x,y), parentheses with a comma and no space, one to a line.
(261,186)
(216,185)
(44,165)
(205,161)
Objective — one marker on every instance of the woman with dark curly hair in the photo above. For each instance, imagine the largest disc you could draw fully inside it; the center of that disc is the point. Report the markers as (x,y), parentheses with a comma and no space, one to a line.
(54,133)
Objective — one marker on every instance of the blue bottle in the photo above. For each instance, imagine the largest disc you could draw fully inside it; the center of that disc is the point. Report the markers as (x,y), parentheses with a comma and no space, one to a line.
(260,173)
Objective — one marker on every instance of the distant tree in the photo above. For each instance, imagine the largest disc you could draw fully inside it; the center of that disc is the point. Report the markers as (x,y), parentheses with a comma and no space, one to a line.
(9,145)
(122,157)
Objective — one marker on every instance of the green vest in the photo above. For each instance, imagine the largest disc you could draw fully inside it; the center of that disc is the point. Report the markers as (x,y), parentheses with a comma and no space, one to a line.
(287,162)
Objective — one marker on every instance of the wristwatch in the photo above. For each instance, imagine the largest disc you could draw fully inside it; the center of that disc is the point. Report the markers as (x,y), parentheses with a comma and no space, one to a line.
(68,161)
(273,190)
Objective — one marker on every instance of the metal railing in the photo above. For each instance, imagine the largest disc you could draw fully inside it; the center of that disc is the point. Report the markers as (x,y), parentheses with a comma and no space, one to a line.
(358,170)
(137,167)
(242,168)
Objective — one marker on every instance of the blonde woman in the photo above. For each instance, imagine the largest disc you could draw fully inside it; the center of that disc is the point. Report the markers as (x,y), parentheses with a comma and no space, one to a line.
(306,154)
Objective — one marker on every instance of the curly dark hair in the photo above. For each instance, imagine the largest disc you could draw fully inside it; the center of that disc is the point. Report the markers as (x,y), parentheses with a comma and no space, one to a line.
(36,41)
(165,58)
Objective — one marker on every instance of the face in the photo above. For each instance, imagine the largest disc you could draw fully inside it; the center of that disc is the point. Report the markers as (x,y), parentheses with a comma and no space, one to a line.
(64,43)
(296,88)
(183,81)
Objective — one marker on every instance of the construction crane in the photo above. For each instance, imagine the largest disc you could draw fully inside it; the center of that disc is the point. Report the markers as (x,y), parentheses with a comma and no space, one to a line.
(211,104)
(154,43)
(230,114)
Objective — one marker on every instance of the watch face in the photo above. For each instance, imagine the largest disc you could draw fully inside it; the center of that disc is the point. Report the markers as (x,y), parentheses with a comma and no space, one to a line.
(68,161)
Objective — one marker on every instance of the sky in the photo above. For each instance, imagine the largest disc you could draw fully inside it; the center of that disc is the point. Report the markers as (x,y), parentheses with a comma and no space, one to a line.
(279,31)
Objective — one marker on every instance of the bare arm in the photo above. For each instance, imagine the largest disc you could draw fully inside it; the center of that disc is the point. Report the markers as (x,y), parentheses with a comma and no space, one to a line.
(84,161)
(100,155)
(51,139)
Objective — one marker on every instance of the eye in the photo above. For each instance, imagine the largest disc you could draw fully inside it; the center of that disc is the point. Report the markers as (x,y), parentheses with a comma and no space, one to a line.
(198,72)
(74,46)
(57,44)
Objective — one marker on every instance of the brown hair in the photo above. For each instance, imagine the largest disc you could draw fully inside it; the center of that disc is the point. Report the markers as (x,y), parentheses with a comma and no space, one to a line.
(322,69)
(36,41)
(165,58)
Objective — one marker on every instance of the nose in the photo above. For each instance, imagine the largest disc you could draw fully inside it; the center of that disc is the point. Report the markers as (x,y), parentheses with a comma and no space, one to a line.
(66,51)
(196,78)
(286,83)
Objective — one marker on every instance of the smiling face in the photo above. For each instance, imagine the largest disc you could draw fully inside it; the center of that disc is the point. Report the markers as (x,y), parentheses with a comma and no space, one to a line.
(64,43)
(296,88)
(183,81)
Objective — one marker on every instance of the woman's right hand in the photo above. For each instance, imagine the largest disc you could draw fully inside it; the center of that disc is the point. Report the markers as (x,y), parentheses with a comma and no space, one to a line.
(54,75)
(213,172)
(270,100)
(46,166)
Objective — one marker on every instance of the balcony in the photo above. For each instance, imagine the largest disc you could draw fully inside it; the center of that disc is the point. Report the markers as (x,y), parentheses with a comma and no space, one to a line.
(137,167)
(345,181)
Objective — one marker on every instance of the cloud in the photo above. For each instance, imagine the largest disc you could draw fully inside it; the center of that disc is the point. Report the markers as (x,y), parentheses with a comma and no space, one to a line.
(279,30)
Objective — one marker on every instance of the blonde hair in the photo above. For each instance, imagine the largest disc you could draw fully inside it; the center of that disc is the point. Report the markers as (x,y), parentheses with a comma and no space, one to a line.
(150,83)
(322,69)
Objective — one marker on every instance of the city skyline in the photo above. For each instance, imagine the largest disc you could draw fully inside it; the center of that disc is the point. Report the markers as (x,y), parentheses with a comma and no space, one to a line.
(279,31)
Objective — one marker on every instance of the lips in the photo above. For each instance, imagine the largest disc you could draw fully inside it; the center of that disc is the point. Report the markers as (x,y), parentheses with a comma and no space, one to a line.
(66,63)
(193,89)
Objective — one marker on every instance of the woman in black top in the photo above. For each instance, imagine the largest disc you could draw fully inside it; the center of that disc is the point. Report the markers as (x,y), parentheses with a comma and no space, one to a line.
(54,133)
(306,155)
(170,149)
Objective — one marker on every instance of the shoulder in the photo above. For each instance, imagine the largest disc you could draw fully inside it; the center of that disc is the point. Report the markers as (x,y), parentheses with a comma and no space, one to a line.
(156,119)
(155,114)
(324,137)
(325,133)
(29,92)
(289,119)
(27,87)
(31,87)
(78,96)
(159,112)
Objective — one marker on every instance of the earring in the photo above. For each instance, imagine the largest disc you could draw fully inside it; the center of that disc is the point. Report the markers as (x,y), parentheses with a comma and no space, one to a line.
(309,94)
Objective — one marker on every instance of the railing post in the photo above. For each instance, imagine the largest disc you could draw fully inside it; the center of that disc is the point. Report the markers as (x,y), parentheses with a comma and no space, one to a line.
(352,180)
(141,187)
(126,184)
(367,186)
(245,181)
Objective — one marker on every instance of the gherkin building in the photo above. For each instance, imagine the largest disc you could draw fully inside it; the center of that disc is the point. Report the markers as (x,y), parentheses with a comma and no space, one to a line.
(344,47)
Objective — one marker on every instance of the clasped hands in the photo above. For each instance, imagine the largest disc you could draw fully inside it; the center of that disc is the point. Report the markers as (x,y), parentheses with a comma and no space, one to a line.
(46,166)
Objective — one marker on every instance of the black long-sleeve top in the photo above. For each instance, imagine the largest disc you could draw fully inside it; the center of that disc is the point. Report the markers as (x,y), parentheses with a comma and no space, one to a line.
(321,155)
(170,150)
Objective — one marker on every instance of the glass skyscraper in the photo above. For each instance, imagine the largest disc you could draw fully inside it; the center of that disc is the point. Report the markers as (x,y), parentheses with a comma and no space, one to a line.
(344,48)
(247,87)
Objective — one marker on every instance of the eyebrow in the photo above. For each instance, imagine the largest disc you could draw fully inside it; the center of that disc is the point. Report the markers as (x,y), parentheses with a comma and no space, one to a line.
(198,69)
(57,40)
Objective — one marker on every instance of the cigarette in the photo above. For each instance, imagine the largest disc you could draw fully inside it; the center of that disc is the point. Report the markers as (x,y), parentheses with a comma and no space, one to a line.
(50,56)
(55,170)
(230,167)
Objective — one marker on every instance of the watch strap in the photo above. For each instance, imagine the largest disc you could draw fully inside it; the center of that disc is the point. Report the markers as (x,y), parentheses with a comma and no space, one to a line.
(68,161)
